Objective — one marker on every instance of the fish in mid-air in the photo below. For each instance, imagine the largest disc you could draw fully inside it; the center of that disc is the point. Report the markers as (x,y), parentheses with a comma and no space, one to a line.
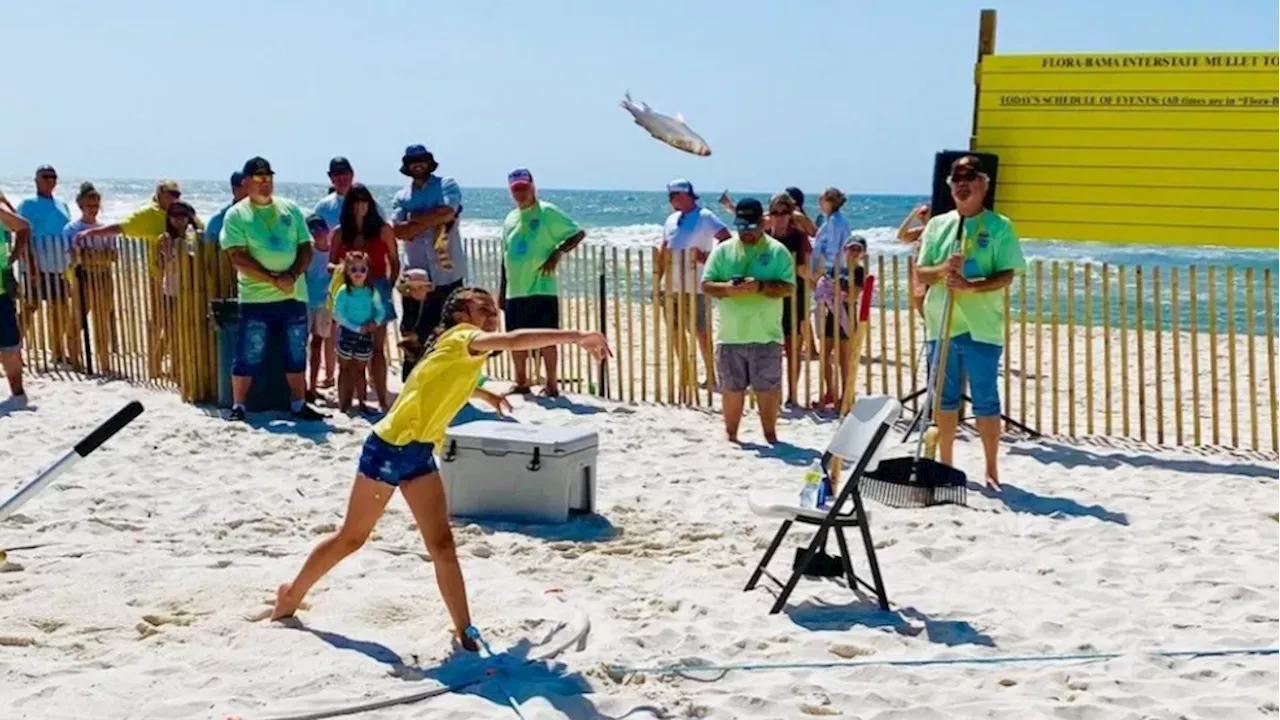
(670,130)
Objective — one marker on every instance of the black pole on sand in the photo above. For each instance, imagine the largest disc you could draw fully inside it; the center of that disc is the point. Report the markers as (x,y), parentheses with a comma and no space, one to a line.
(81,281)
(604,314)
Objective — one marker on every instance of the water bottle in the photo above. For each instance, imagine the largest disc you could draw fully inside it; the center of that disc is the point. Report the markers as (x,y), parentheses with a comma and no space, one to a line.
(812,485)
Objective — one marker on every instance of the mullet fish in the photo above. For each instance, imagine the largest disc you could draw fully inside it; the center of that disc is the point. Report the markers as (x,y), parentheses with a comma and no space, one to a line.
(670,130)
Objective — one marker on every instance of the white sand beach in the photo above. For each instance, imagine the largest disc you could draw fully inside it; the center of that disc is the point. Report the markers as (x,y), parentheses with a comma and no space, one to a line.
(153,557)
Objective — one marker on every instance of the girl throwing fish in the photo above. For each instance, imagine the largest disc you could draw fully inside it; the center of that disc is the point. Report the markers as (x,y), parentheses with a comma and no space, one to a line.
(399,453)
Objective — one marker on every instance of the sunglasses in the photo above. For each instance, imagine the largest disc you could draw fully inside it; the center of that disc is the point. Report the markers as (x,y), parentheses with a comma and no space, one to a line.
(964,177)
(173,193)
(358,269)
(47,177)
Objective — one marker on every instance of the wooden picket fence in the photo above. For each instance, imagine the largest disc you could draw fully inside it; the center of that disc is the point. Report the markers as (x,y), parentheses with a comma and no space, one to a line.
(1165,355)
(129,309)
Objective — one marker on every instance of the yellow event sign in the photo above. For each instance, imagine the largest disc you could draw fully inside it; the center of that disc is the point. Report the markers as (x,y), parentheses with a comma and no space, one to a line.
(1159,148)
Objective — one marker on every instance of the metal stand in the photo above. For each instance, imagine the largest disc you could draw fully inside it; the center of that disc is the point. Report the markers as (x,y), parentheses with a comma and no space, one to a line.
(918,420)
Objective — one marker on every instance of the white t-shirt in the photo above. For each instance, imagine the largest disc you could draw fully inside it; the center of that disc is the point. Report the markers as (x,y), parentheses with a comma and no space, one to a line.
(689,231)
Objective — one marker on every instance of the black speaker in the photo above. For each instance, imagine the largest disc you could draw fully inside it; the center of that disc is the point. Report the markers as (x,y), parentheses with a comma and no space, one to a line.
(941,201)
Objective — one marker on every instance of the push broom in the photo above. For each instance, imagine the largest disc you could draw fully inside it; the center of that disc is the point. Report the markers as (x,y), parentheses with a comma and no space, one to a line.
(918,480)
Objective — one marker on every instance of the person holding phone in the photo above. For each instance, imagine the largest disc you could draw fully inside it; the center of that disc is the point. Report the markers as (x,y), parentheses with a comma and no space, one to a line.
(748,277)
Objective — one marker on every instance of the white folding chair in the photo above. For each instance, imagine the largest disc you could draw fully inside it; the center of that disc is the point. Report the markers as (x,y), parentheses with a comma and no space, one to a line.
(858,441)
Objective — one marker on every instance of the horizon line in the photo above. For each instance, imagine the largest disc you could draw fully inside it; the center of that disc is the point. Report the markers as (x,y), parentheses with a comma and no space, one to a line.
(17,178)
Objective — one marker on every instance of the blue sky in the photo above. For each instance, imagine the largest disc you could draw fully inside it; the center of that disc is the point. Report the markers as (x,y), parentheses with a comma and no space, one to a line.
(859,94)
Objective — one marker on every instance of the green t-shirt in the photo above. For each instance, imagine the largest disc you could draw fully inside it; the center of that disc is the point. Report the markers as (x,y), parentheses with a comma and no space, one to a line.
(990,246)
(272,234)
(528,239)
(754,317)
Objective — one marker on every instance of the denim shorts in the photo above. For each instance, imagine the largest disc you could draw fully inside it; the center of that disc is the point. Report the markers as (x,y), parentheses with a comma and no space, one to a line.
(354,345)
(10,338)
(977,362)
(393,464)
(284,321)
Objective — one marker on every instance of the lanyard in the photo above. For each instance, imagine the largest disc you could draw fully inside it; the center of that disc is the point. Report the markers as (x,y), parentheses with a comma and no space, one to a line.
(966,239)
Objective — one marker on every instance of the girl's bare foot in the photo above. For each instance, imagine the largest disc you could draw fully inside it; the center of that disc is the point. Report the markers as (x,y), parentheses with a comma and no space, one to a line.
(285,605)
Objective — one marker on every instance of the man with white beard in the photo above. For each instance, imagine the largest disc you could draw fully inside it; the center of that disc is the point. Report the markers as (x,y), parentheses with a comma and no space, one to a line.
(972,253)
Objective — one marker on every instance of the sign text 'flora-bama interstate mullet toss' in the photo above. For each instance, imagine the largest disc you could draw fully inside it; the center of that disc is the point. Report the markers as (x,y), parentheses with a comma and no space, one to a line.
(1152,148)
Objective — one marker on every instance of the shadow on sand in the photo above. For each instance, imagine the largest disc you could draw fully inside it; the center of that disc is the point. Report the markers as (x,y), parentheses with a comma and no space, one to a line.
(1074,457)
(1025,501)
(784,451)
(910,622)
(507,680)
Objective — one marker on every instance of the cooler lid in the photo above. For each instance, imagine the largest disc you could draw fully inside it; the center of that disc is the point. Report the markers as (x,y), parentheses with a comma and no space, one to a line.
(520,437)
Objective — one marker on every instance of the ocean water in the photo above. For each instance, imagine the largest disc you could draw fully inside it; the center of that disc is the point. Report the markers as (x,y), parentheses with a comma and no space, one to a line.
(628,218)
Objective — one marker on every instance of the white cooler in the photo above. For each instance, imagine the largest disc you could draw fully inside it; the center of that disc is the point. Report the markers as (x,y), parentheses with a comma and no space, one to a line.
(516,471)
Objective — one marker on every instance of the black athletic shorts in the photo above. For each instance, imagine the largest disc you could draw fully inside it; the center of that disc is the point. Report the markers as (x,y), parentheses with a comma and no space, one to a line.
(535,311)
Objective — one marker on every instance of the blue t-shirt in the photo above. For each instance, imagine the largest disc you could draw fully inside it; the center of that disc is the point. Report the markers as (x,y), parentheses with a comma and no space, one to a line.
(330,208)
(829,242)
(213,228)
(355,306)
(48,216)
(419,253)
(685,232)
(318,278)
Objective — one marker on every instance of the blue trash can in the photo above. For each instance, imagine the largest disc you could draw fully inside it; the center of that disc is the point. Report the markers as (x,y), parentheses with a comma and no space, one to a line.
(270,389)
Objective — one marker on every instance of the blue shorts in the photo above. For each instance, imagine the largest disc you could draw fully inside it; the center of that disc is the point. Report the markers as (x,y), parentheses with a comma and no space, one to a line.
(10,338)
(284,321)
(391,464)
(977,362)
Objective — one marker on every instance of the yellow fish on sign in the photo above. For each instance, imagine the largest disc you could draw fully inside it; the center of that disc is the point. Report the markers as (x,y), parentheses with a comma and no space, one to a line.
(670,130)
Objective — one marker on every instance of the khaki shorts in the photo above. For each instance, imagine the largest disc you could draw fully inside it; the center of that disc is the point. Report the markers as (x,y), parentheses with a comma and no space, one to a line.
(754,365)
(320,322)
(700,307)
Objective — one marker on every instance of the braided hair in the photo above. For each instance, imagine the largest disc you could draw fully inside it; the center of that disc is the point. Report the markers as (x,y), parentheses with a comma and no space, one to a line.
(456,303)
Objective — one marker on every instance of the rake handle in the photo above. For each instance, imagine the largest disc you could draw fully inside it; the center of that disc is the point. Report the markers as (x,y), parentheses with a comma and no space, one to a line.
(940,362)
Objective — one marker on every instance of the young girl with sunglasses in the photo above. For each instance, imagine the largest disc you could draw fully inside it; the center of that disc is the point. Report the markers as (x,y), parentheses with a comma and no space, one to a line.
(359,310)
(399,453)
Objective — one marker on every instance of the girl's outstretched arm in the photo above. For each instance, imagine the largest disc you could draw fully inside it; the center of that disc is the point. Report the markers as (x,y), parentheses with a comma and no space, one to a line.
(531,339)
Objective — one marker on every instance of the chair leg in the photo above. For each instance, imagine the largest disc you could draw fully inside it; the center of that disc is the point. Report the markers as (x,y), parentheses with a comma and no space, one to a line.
(818,539)
(768,555)
(847,560)
(871,560)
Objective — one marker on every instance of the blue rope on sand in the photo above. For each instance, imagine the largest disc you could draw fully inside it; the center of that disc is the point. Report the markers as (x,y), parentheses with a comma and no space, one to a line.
(680,669)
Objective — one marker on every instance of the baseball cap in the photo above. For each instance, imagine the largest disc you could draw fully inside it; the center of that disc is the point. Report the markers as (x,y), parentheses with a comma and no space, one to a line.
(967,164)
(180,208)
(46,169)
(415,276)
(855,239)
(519,177)
(680,185)
(237,179)
(257,166)
(169,186)
(748,214)
(315,222)
(340,165)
